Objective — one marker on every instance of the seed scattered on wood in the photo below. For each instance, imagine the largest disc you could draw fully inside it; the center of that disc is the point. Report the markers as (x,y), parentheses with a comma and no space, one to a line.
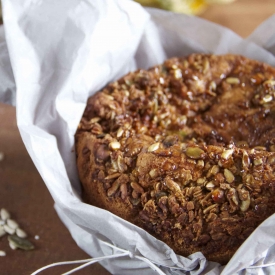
(8,229)
(21,233)
(12,246)
(20,243)
(4,214)
(2,253)
(2,156)
(2,231)
(12,223)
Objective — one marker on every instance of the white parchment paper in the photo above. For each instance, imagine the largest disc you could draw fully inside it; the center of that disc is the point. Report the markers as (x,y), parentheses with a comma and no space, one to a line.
(7,84)
(62,52)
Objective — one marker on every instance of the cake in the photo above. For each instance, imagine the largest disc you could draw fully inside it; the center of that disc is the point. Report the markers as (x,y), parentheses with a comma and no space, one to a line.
(184,150)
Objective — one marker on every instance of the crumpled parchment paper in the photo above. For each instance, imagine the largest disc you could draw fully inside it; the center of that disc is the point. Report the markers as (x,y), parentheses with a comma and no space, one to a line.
(62,52)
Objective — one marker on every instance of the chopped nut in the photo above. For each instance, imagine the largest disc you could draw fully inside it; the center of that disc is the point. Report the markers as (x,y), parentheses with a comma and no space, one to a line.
(94,120)
(245,204)
(112,176)
(206,66)
(229,176)
(138,189)
(153,173)
(213,86)
(210,185)
(214,170)
(245,160)
(172,185)
(123,190)
(266,99)
(190,205)
(269,82)
(209,208)
(258,162)
(201,181)
(232,196)
(120,132)
(200,163)
(153,147)
(233,80)
(177,73)
(227,154)
(115,145)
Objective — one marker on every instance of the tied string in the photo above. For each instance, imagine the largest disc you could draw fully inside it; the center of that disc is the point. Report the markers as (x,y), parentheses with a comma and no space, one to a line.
(87,262)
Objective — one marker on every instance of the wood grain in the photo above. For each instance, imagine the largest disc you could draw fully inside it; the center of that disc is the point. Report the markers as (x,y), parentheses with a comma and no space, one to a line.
(241,16)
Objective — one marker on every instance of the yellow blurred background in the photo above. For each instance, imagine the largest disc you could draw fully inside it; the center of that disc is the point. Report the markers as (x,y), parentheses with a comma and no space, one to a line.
(183,6)
(242,16)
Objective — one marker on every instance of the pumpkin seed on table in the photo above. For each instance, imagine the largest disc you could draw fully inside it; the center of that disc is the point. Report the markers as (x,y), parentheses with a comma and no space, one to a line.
(4,214)
(2,253)
(2,156)
(21,233)
(20,243)
(2,231)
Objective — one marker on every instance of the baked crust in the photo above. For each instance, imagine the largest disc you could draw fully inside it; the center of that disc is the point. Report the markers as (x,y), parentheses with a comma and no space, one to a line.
(184,150)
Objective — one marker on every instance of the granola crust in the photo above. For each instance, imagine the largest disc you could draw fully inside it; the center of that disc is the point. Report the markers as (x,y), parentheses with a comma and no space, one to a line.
(185,150)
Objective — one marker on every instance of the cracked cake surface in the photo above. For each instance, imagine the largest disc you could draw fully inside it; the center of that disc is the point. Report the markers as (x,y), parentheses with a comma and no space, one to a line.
(185,150)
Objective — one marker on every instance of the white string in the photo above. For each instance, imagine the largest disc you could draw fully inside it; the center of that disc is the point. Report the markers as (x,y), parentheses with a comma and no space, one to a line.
(94,261)
(260,266)
(60,263)
(88,262)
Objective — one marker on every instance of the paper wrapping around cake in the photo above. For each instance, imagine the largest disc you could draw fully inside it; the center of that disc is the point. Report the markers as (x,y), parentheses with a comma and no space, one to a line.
(61,53)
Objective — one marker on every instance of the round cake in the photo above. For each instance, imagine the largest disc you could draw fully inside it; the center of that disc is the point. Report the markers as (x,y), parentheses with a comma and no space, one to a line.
(185,150)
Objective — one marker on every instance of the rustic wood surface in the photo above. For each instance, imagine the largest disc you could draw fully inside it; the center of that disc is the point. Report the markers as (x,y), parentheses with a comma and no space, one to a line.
(24,194)
(241,16)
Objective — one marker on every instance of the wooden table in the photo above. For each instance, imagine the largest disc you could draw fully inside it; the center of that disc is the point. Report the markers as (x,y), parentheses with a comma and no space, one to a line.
(242,16)
(23,192)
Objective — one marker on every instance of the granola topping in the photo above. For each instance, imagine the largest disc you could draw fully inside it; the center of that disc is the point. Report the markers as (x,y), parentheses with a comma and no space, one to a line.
(185,150)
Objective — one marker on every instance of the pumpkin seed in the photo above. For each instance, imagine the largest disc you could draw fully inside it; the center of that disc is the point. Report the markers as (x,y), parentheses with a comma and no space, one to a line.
(4,214)
(21,233)
(20,243)
(12,223)
(2,231)
(8,229)
(2,253)
(194,152)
